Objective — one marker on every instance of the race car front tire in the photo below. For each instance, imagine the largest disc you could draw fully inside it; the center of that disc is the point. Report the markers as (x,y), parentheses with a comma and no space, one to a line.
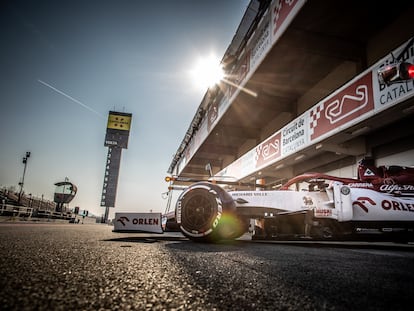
(208,214)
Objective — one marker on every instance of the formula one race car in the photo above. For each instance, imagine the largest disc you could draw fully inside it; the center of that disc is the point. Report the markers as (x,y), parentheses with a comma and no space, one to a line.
(380,202)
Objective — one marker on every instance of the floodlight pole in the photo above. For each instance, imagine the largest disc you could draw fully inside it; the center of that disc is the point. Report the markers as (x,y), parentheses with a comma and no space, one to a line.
(21,184)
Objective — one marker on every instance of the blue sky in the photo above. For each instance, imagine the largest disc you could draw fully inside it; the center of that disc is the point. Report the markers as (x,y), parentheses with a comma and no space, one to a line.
(66,64)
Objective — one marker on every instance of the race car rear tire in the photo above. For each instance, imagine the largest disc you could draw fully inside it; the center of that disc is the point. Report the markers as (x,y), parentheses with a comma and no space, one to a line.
(207,213)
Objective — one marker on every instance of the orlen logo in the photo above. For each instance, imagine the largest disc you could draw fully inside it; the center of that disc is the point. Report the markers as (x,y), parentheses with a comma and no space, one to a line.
(123,219)
(387,205)
(361,202)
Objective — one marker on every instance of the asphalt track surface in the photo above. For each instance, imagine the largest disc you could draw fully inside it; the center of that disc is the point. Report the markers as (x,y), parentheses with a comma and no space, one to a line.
(89,267)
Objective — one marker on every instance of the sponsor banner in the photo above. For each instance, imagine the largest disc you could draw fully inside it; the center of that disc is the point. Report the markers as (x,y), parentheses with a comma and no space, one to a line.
(389,95)
(248,163)
(343,109)
(137,222)
(262,43)
(243,166)
(295,135)
(232,171)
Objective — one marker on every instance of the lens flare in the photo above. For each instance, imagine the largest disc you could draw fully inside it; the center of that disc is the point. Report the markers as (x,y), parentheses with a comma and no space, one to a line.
(230,226)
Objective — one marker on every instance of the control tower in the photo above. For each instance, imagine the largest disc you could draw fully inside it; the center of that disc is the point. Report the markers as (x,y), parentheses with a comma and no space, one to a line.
(116,139)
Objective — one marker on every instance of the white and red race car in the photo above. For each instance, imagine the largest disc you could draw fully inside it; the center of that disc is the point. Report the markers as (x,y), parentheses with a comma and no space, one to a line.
(379,203)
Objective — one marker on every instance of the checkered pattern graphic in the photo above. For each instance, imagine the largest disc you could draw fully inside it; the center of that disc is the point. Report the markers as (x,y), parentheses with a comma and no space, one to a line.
(315,115)
(281,10)
(276,12)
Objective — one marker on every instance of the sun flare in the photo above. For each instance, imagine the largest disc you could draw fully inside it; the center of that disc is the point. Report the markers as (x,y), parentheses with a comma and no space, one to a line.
(207,72)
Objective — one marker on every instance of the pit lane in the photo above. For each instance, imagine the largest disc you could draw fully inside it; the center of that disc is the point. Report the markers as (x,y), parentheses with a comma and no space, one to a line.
(89,267)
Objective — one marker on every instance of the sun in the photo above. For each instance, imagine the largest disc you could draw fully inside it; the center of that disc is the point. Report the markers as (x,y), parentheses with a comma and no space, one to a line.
(207,72)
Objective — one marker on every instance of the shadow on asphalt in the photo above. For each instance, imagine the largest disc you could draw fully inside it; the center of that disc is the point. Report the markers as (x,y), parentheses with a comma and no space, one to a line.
(222,245)
(147,239)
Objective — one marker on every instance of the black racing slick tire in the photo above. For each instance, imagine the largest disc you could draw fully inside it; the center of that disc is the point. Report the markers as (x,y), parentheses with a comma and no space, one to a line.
(207,213)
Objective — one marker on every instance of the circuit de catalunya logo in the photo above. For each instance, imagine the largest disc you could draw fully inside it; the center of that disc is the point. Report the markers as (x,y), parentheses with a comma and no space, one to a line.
(344,107)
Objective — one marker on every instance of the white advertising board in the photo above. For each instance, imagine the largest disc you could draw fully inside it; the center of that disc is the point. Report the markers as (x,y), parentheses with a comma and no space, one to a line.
(137,222)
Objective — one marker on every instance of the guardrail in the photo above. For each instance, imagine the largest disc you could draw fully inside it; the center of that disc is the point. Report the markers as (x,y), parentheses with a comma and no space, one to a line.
(24,212)
(15,211)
